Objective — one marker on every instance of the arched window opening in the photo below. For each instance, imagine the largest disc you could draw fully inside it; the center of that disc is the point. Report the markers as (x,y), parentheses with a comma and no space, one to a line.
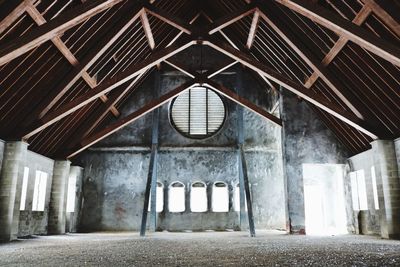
(220,197)
(198,197)
(176,197)
(159,198)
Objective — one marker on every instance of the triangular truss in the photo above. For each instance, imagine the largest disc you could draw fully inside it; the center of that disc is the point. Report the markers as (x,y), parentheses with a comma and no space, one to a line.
(66,67)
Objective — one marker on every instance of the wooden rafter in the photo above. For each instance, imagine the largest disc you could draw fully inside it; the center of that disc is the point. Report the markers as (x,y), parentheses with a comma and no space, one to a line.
(344,28)
(205,79)
(13,16)
(253,29)
(112,101)
(88,60)
(168,18)
(231,18)
(391,23)
(311,60)
(242,101)
(106,87)
(40,20)
(54,28)
(296,88)
(96,137)
(339,45)
(147,29)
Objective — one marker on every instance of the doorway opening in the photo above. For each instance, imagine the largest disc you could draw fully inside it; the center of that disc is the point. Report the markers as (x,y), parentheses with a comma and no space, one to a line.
(324,201)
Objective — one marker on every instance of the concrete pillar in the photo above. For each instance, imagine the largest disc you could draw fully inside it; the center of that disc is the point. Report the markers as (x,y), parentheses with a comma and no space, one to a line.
(58,197)
(10,188)
(388,185)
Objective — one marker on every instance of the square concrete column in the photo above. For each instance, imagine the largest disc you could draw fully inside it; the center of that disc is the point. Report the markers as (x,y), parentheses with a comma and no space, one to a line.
(388,186)
(58,197)
(10,188)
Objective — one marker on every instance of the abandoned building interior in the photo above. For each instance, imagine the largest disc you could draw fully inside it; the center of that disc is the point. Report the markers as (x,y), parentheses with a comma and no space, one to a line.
(253,128)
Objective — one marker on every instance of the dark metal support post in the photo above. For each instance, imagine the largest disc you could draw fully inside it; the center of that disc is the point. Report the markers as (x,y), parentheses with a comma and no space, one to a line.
(151,185)
(248,197)
(244,187)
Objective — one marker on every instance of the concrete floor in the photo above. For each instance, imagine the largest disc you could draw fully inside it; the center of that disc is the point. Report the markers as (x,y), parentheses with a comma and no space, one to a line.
(200,249)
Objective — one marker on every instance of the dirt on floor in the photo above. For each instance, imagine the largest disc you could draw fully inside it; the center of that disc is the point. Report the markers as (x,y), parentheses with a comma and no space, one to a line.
(200,249)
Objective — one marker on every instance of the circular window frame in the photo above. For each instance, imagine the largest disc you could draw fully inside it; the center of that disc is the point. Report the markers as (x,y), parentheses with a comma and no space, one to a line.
(198,137)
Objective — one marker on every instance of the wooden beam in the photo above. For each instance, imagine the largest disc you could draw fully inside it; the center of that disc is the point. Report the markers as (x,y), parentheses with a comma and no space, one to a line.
(98,50)
(296,88)
(147,29)
(339,45)
(13,16)
(106,87)
(344,28)
(168,18)
(224,22)
(179,67)
(40,20)
(384,16)
(242,101)
(91,140)
(113,100)
(54,28)
(253,30)
(303,52)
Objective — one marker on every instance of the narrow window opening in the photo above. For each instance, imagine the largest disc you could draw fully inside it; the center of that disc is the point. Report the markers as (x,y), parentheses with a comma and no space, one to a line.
(176,197)
(71,193)
(220,197)
(198,197)
(236,199)
(39,193)
(24,188)
(358,190)
(374,188)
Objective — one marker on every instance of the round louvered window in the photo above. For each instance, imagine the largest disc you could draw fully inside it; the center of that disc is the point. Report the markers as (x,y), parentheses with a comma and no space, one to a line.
(198,113)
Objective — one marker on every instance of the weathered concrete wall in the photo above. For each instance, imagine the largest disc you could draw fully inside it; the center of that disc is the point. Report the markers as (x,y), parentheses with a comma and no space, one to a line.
(35,222)
(306,140)
(116,171)
(369,218)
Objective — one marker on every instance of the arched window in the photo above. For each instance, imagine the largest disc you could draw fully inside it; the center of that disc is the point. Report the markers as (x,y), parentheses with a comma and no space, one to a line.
(159,198)
(176,197)
(220,197)
(198,197)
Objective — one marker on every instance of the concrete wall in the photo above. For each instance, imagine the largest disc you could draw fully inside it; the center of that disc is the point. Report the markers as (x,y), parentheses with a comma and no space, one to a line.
(369,218)
(116,171)
(306,140)
(35,222)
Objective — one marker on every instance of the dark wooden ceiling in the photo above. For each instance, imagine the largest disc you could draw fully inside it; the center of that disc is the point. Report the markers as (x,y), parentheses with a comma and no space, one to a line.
(67,66)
